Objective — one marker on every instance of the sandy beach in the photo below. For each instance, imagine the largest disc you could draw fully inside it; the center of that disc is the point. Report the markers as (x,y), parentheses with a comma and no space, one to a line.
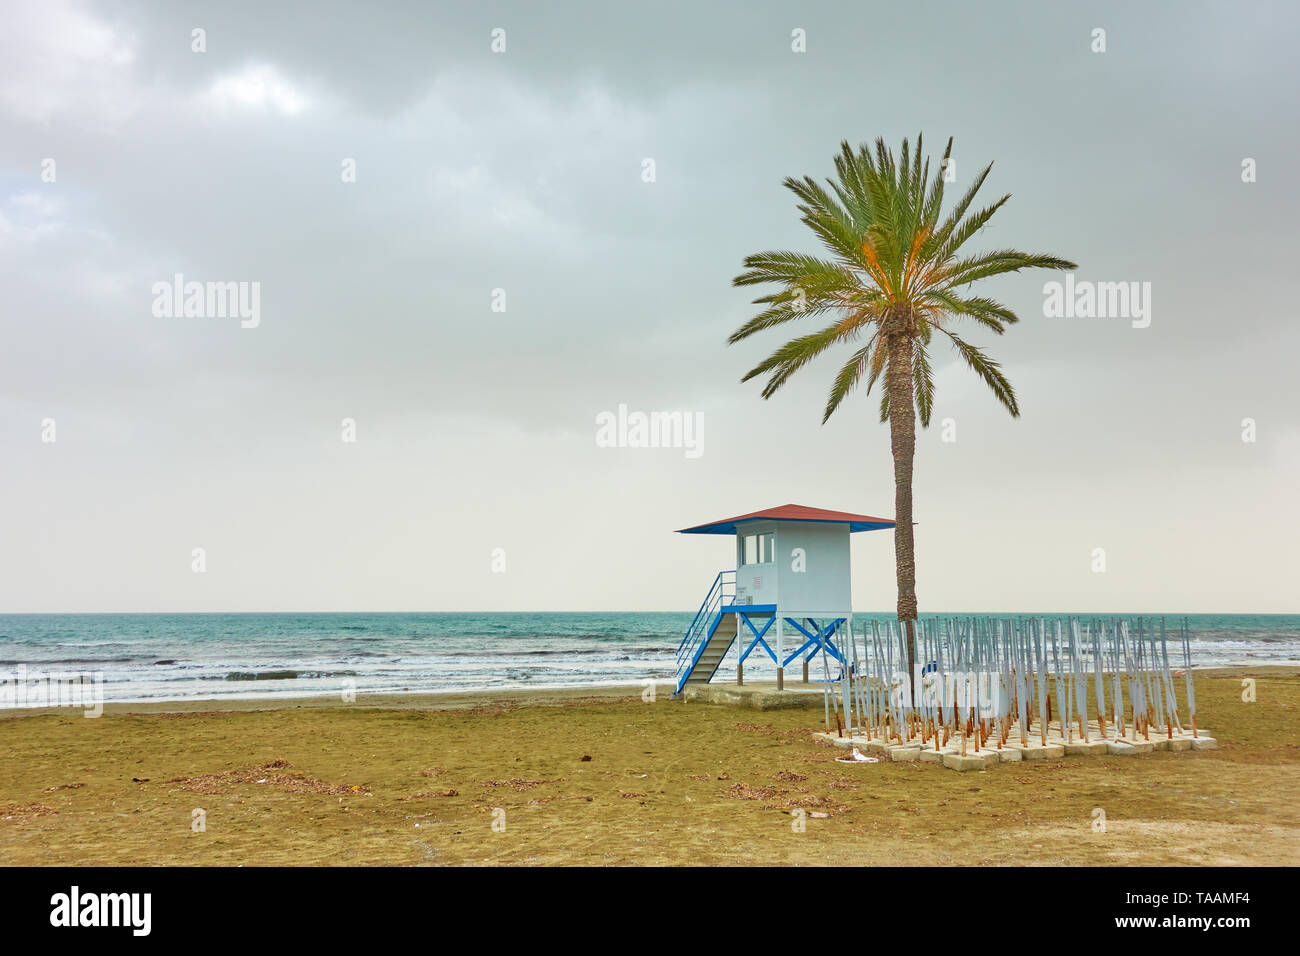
(597,776)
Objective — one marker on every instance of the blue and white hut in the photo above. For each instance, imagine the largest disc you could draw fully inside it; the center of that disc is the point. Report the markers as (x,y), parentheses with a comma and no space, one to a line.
(792,580)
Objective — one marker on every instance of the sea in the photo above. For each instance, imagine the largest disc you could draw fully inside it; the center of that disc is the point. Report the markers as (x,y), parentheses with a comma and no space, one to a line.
(170,657)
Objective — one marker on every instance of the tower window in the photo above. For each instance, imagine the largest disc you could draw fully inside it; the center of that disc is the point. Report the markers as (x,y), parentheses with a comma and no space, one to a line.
(759,548)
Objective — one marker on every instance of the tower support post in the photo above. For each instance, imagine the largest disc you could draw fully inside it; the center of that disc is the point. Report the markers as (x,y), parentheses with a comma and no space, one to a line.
(780,653)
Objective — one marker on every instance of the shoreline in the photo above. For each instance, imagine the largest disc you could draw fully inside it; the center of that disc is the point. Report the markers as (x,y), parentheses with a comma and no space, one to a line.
(383,700)
(483,697)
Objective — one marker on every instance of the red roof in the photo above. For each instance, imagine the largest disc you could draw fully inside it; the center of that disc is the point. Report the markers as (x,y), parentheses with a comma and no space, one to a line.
(793,513)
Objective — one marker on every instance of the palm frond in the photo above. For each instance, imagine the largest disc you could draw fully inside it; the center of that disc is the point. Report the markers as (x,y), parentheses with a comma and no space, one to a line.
(989,370)
(941,233)
(785,267)
(848,378)
(795,354)
(934,200)
(987,312)
(968,227)
(825,217)
(985,265)
(923,378)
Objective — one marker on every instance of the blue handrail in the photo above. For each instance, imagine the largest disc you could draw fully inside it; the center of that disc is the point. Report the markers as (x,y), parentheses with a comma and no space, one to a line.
(710,604)
(722,589)
(717,582)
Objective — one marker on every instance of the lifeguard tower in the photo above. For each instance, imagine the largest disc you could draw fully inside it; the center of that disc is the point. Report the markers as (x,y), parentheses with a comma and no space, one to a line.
(792,570)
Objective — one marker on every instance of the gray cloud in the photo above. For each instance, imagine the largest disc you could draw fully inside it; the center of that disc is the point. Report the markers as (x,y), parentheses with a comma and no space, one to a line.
(522,171)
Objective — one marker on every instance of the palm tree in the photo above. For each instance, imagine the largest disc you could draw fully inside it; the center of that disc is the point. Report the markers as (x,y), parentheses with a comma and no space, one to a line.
(894,278)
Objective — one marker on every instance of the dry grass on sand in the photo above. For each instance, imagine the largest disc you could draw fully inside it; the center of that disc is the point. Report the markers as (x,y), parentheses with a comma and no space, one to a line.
(598,777)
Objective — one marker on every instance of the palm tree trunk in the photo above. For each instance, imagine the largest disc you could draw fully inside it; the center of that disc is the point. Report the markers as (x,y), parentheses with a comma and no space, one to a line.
(902,438)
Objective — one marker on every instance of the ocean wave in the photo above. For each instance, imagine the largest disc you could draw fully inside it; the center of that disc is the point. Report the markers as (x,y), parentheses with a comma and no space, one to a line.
(286,675)
(83,661)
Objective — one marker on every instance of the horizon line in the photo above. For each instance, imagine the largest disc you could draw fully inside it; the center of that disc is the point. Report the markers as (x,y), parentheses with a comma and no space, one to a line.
(588,611)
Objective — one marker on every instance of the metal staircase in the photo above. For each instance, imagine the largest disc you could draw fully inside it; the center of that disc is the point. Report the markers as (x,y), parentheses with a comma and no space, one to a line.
(709,636)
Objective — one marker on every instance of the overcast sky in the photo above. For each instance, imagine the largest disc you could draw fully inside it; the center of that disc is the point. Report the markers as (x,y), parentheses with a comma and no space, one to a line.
(523,171)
